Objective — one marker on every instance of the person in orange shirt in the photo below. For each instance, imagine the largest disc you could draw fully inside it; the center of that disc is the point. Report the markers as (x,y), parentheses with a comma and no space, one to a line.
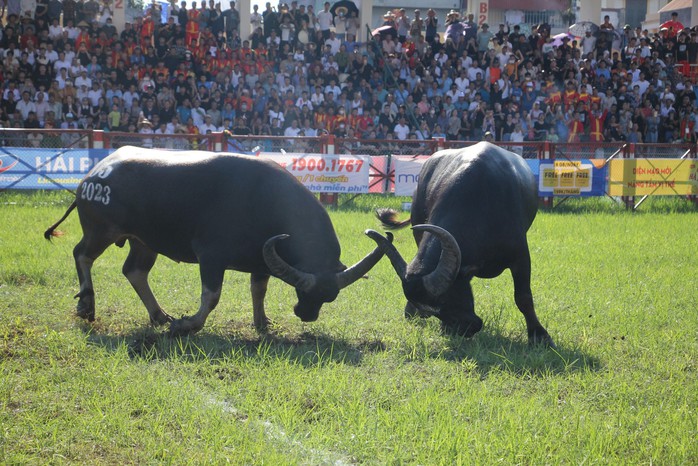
(147,32)
(192,28)
(584,98)
(576,127)
(83,38)
(554,96)
(339,118)
(570,96)
(320,117)
(596,123)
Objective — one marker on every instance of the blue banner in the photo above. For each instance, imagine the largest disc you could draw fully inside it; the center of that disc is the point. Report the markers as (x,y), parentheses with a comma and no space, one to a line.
(585,177)
(33,168)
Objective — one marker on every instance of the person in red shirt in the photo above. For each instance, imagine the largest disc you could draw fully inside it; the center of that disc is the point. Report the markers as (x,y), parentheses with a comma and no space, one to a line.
(147,32)
(192,28)
(570,97)
(596,122)
(576,127)
(673,26)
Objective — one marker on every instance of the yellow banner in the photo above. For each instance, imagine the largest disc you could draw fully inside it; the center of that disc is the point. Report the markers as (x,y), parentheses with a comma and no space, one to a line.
(659,177)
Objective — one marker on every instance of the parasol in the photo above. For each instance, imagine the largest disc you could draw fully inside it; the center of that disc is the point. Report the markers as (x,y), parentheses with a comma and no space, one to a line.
(384,30)
(579,29)
(342,8)
(558,38)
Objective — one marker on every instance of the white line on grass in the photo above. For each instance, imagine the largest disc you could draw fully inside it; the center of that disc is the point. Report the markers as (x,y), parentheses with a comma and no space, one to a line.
(313,455)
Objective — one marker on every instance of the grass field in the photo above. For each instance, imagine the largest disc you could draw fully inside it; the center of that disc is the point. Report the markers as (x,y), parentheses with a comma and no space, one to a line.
(362,385)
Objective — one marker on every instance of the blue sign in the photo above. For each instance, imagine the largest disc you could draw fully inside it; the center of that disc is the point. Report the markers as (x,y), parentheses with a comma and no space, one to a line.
(33,168)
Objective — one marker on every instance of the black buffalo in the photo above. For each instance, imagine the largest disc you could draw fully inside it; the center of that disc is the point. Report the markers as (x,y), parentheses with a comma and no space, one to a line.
(222,211)
(471,211)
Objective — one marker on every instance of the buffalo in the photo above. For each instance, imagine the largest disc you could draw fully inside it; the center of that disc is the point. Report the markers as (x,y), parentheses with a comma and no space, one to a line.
(222,211)
(471,210)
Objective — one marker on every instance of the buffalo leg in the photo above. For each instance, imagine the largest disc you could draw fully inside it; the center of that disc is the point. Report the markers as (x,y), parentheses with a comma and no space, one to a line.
(85,253)
(521,273)
(212,273)
(138,264)
(258,287)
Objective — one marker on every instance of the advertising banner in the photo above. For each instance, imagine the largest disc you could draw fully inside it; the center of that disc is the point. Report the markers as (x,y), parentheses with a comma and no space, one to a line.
(45,168)
(407,172)
(572,178)
(658,177)
(325,173)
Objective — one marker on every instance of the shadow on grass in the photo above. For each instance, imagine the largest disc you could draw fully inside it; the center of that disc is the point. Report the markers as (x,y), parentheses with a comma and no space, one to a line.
(488,352)
(492,351)
(307,349)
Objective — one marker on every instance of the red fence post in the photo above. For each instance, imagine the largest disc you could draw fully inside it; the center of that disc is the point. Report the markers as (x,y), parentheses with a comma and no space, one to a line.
(97,139)
(328,148)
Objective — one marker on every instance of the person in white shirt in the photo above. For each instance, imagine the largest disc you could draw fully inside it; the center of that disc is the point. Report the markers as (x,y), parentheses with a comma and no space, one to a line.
(304,100)
(51,54)
(276,114)
(318,98)
(83,79)
(334,42)
(333,88)
(69,54)
(255,18)
(325,21)
(61,64)
(401,130)
(95,94)
(293,130)
(197,113)
(25,105)
(207,126)
(55,31)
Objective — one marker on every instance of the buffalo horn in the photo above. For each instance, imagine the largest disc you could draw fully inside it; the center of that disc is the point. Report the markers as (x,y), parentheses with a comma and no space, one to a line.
(437,282)
(360,269)
(302,280)
(393,254)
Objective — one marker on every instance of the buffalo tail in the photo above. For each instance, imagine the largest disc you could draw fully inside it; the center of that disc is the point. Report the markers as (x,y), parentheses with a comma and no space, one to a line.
(51,232)
(388,218)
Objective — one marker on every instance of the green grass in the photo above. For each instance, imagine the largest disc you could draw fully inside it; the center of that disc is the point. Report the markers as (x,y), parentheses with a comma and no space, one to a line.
(616,290)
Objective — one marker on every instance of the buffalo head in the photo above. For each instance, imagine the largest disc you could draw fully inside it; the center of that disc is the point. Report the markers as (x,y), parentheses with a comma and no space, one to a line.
(427,291)
(315,289)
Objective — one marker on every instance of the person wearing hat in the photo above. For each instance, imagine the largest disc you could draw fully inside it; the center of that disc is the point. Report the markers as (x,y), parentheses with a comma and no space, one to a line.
(484,37)
(417,25)
(454,27)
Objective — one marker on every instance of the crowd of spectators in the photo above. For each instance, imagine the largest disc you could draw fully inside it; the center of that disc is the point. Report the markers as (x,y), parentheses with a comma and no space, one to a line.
(65,65)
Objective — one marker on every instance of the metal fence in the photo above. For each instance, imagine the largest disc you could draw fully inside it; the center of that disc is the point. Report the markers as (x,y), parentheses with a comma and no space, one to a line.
(227,142)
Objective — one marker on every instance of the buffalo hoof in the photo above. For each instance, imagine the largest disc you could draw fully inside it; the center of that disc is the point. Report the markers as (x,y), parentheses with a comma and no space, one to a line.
(160,318)
(413,311)
(86,308)
(263,325)
(183,327)
(539,337)
(466,329)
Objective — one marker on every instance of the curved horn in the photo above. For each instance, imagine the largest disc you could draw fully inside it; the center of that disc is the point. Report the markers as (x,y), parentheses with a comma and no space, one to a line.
(302,280)
(437,282)
(360,269)
(396,259)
